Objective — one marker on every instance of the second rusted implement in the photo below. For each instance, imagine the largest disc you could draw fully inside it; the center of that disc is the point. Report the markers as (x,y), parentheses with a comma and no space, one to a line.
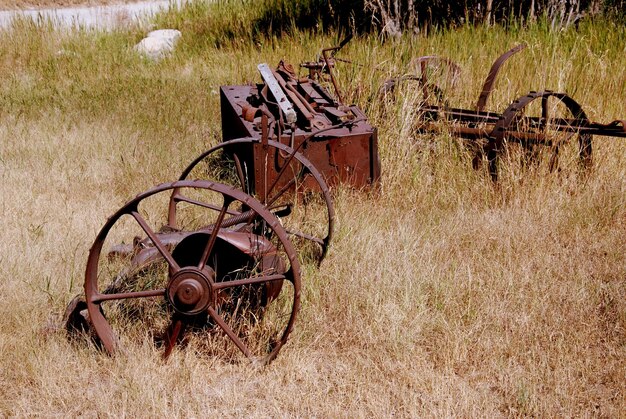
(558,121)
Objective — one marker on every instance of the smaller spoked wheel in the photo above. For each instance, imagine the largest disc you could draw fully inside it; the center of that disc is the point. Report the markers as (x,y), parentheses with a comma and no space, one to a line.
(541,131)
(280,178)
(227,281)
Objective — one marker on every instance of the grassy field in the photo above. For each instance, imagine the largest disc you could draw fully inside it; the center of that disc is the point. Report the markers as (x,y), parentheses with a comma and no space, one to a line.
(442,295)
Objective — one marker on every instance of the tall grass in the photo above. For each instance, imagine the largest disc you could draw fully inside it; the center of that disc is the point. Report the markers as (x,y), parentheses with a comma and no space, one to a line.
(441,295)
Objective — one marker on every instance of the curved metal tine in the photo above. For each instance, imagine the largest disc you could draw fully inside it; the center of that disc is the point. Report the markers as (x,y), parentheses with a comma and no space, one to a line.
(554,145)
(155,240)
(216,228)
(543,126)
(172,334)
(554,159)
(306,236)
(424,81)
(248,281)
(493,73)
(229,332)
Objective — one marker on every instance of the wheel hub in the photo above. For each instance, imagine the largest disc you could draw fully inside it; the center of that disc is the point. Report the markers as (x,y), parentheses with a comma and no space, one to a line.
(189,290)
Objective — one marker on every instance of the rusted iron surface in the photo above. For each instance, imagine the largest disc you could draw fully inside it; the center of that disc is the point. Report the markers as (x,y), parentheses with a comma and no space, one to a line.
(337,139)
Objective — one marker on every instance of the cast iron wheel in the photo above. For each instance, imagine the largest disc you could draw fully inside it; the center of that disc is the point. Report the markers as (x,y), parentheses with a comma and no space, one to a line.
(541,123)
(298,195)
(226,271)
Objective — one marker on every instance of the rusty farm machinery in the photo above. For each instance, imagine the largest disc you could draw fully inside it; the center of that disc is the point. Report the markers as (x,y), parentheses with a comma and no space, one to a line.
(547,126)
(215,257)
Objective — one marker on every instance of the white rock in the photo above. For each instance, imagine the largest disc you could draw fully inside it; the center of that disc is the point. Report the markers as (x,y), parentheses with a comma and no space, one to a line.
(172,35)
(158,44)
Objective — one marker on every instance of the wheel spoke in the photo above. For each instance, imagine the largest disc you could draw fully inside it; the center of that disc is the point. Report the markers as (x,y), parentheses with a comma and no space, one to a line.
(281,192)
(215,232)
(229,332)
(288,161)
(263,243)
(155,240)
(174,330)
(127,295)
(248,281)
(556,146)
(183,198)
(242,180)
(544,112)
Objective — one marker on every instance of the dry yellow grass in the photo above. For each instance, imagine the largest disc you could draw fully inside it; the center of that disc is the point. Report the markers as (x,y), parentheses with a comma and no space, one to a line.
(441,295)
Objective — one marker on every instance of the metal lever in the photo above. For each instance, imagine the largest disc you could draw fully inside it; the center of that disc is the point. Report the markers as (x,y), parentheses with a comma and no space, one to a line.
(279,95)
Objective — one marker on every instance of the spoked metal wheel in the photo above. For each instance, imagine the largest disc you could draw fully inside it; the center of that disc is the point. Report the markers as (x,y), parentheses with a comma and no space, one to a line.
(228,280)
(545,126)
(281,178)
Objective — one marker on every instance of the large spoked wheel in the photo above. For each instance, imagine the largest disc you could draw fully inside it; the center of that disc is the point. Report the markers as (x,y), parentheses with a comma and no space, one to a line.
(545,128)
(229,277)
(281,178)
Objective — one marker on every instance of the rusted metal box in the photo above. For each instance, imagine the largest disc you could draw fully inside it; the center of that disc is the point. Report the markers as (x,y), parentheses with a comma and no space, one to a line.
(337,139)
